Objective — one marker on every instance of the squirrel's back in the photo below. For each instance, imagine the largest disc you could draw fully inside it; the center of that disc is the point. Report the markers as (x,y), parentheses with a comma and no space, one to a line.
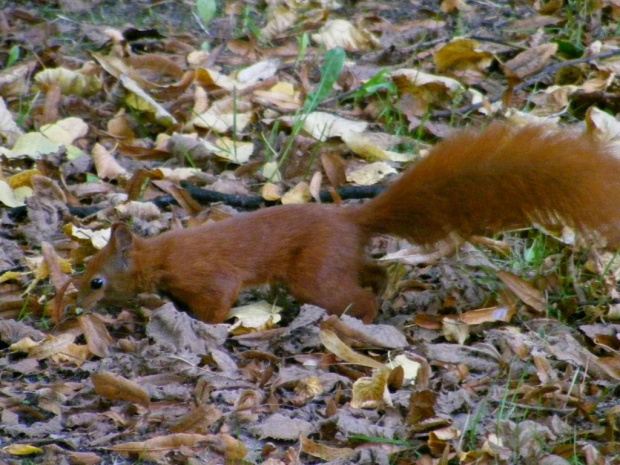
(501,178)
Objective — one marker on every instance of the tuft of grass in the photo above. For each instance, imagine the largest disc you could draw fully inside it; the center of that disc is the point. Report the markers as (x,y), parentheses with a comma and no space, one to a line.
(330,72)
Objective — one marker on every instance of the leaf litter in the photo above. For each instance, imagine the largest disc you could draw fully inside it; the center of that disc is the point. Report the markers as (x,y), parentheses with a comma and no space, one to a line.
(101,123)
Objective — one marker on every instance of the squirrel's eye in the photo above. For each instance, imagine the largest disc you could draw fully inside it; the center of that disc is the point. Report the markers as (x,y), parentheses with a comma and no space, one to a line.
(96,283)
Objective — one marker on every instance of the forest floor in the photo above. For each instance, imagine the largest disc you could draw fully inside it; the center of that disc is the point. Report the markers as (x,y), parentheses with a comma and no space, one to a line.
(166,114)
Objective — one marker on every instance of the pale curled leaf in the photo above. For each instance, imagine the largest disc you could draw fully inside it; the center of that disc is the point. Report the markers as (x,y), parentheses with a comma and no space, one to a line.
(298,194)
(141,100)
(23,345)
(65,131)
(409,79)
(370,174)
(340,349)
(271,192)
(105,164)
(322,126)
(366,146)
(455,330)
(259,71)
(72,82)
(222,122)
(33,145)
(13,198)
(51,346)
(98,238)
(410,367)
(8,128)
(257,316)
(233,150)
(341,33)
(280,19)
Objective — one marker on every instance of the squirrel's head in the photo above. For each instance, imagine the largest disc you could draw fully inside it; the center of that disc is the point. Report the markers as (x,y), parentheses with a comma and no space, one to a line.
(109,275)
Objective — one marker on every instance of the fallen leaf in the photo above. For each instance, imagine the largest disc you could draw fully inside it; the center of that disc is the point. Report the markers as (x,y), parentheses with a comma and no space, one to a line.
(115,387)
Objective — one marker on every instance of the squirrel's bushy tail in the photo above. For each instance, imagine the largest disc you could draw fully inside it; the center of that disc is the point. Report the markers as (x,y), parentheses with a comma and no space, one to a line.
(502,178)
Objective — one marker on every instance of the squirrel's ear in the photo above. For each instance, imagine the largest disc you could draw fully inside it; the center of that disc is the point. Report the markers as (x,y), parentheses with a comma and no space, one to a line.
(121,236)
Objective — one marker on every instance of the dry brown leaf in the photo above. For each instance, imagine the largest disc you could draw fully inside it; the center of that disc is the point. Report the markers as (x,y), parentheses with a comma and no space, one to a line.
(487,315)
(450,6)
(355,332)
(115,387)
(334,169)
(54,266)
(120,127)
(610,365)
(281,427)
(524,291)
(50,111)
(97,337)
(530,61)
(421,406)
(155,448)
(84,458)
(198,420)
(324,452)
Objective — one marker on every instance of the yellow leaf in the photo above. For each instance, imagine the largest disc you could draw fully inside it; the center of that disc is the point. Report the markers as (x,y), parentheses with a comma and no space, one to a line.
(23,178)
(298,194)
(22,449)
(370,392)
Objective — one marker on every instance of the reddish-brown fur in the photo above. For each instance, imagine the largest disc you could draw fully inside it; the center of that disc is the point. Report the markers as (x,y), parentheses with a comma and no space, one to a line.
(471,183)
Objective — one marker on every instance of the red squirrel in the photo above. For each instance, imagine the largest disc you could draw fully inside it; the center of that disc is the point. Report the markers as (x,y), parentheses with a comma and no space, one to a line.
(472,183)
